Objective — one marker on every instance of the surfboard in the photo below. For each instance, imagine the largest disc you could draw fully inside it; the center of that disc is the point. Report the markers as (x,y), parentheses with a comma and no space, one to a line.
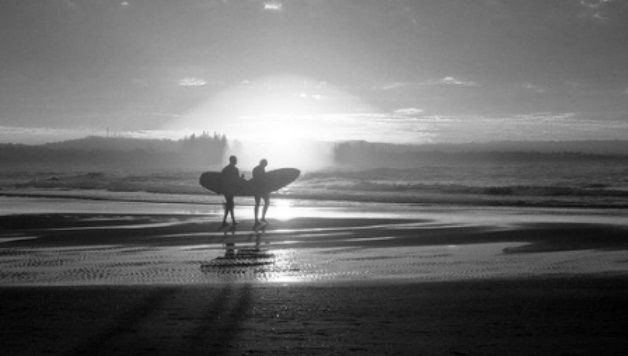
(274,180)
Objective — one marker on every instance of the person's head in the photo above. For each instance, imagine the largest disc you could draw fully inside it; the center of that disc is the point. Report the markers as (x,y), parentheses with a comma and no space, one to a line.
(263,162)
(233,160)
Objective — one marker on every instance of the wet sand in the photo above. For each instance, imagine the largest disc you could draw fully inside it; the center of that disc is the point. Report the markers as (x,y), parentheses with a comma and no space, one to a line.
(347,280)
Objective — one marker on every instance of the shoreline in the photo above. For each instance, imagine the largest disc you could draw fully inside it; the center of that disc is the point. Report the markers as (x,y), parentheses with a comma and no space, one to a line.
(330,198)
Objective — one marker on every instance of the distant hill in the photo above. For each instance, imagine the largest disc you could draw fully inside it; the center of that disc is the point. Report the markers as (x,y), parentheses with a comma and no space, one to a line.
(130,144)
(114,144)
(96,152)
(362,154)
(596,147)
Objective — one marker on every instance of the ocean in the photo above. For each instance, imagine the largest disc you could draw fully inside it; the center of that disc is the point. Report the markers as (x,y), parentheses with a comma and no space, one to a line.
(570,184)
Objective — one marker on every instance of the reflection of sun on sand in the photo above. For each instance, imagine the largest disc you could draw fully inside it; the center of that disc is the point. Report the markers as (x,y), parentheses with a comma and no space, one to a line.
(282,210)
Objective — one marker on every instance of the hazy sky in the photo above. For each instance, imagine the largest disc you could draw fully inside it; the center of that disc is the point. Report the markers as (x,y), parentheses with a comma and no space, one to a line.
(380,70)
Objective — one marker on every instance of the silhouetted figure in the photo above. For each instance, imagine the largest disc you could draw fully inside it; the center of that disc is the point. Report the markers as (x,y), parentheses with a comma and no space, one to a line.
(259,176)
(230,177)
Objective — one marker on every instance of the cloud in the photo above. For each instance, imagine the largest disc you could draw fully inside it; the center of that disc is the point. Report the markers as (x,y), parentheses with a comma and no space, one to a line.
(395,85)
(455,81)
(192,82)
(409,111)
(370,126)
(533,88)
(445,81)
(594,4)
(601,11)
(306,96)
(395,128)
(542,126)
(273,5)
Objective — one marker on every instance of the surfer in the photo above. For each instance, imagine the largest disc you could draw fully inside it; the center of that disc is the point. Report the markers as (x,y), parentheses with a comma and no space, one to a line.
(259,177)
(229,177)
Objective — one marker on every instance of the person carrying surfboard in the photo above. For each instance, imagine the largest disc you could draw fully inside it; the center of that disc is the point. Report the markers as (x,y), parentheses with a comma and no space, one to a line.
(230,176)
(259,177)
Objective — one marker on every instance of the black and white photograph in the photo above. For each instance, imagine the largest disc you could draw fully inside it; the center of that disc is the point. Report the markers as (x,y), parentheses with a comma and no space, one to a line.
(313,177)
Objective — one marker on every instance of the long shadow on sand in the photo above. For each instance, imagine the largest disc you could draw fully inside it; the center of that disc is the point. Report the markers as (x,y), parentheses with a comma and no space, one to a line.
(208,322)
(221,323)
(108,340)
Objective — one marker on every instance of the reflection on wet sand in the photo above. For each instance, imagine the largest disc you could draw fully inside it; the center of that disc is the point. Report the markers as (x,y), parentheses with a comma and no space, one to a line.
(246,263)
(416,244)
(237,257)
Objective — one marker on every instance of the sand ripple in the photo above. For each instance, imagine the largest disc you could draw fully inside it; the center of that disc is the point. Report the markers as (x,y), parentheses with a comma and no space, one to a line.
(89,250)
(171,265)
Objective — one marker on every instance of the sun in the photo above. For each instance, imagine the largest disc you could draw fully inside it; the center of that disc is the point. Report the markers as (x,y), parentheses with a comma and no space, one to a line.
(285,119)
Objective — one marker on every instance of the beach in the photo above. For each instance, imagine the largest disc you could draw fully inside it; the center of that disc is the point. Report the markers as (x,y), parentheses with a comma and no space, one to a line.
(553,316)
(111,277)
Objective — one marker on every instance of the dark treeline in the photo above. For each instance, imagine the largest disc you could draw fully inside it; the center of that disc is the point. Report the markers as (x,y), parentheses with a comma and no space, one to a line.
(193,152)
(362,154)
(207,151)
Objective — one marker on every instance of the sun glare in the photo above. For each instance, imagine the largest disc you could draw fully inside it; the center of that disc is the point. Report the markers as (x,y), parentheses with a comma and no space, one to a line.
(284,119)
(282,210)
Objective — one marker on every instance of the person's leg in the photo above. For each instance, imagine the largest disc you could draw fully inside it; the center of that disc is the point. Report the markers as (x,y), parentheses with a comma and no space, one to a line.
(266,204)
(256,209)
(226,206)
(229,207)
(233,219)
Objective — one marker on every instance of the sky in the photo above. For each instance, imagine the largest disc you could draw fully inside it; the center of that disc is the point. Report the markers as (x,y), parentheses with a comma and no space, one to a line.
(400,71)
